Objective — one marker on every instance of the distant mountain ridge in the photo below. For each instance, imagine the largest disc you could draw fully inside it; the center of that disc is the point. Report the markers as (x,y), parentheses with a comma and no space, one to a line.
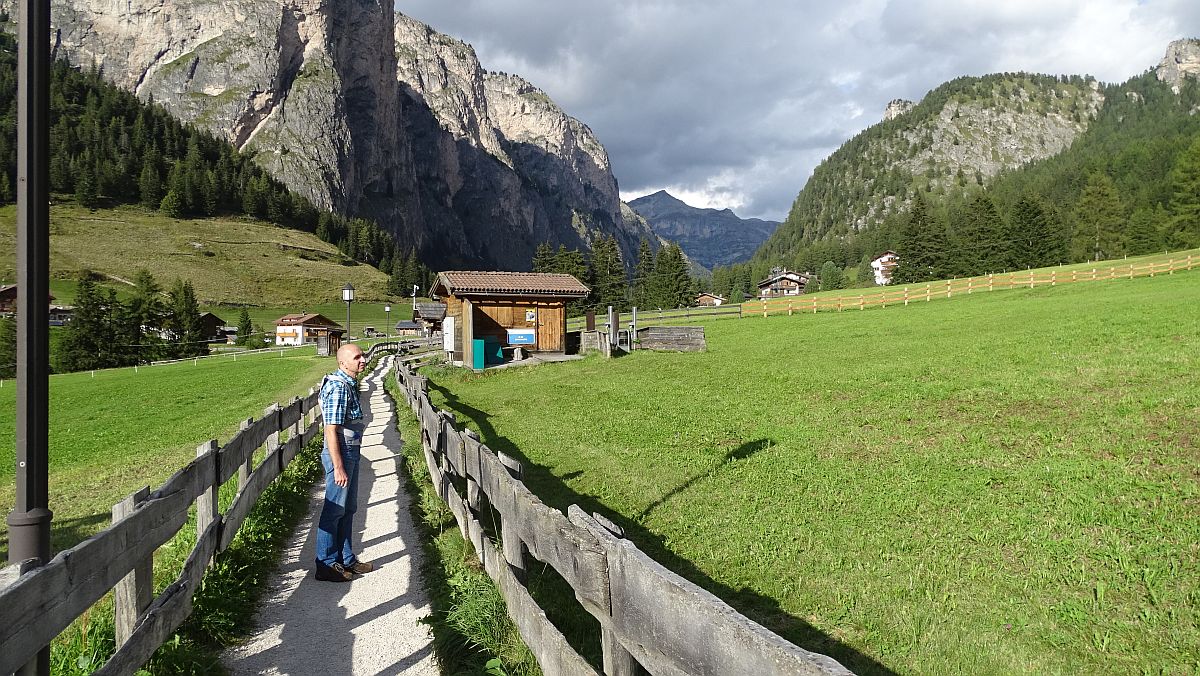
(711,237)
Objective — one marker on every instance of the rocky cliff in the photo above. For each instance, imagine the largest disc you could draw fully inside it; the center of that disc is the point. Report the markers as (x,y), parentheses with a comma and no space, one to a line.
(711,237)
(368,112)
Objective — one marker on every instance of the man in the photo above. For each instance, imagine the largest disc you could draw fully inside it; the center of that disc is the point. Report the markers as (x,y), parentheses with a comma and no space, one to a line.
(343,419)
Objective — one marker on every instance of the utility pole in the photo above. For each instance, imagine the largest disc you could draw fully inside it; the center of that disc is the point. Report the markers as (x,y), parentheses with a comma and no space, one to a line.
(29,522)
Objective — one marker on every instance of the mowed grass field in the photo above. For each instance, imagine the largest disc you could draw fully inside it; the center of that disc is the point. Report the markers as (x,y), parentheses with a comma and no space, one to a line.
(123,429)
(1000,483)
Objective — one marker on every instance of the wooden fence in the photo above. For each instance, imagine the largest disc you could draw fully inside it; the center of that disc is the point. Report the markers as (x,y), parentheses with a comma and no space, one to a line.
(915,293)
(650,618)
(896,295)
(36,604)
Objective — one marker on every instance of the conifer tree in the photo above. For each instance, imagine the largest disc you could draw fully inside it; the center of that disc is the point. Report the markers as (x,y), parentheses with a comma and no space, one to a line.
(183,321)
(1185,199)
(1143,235)
(1098,217)
(543,258)
(977,247)
(643,275)
(245,326)
(607,275)
(830,277)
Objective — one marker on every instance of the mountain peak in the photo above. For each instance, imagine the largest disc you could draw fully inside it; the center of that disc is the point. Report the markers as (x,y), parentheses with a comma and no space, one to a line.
(1182,60)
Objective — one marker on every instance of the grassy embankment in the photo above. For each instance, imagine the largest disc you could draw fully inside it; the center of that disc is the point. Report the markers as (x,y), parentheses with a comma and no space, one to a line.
(995,483)
(232,263)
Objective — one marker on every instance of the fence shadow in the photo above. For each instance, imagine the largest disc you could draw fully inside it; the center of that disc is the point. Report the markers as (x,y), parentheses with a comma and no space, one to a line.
(762,609)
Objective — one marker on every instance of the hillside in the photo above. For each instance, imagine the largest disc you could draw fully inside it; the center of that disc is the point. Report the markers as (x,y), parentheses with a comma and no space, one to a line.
(711,237)
(227,260)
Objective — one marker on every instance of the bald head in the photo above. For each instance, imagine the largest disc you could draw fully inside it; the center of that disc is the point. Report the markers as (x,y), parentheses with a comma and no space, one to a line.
(350,359)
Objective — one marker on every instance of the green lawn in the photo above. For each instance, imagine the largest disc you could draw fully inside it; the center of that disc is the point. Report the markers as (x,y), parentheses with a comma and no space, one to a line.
(1000,483)
(124,429)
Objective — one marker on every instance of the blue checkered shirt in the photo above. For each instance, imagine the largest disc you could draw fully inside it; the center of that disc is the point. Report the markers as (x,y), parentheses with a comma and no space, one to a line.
(339,399)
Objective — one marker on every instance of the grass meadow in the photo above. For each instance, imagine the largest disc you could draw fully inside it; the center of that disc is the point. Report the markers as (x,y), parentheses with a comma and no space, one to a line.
(995,483)
(123,429)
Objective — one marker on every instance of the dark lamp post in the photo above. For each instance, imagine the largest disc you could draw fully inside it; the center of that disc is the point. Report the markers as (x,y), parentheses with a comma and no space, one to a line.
(348,296)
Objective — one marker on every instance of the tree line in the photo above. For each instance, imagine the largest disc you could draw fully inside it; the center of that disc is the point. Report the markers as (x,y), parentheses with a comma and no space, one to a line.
(660,279)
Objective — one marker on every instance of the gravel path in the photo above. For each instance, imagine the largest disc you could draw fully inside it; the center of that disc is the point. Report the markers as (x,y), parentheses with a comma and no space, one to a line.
(369,625)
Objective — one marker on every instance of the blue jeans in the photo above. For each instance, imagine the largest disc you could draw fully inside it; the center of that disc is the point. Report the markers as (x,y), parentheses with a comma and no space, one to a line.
(341,502)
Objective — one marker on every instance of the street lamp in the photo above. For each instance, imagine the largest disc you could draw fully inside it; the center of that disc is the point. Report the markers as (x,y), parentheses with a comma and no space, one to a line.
(348,296)
(387,329)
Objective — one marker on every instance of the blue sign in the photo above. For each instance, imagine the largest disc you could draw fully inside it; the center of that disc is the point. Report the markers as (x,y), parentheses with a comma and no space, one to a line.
(522,337)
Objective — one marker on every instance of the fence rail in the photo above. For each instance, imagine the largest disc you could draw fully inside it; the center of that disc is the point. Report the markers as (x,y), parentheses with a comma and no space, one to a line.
(36,604)
(650,618)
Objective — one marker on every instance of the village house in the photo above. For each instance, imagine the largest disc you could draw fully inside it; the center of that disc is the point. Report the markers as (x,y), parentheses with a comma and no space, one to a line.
(61,315)
(307,329)
(212,327)
(782,282)
(884,265)
(409,327)
(707,299)
(429,316)
(8,299)
(491,311)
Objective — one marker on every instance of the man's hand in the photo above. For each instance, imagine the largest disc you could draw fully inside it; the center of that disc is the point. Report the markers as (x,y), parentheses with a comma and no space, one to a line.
(339,476)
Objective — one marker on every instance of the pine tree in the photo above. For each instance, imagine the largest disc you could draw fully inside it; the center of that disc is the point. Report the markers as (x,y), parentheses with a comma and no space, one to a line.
(85,185)
(1037,243)
(150,186)
(172,205)
(183,321)
(1185,199)
(924,247)
(80,346)
(1099,218)
(977,247)
(1142,235)
(607,276)
(543,258)
(246,335)
(643,275)
(672,287)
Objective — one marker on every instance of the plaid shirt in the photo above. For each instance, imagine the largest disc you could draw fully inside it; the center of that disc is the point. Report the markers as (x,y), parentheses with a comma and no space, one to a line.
(339,399)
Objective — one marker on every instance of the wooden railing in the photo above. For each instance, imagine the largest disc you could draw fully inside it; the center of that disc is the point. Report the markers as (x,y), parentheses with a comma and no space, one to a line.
(36,604)
(914,293)
(650,618)
(647,317)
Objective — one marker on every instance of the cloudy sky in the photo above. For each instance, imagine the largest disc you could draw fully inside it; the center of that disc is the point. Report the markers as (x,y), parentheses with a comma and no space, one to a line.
(732,103)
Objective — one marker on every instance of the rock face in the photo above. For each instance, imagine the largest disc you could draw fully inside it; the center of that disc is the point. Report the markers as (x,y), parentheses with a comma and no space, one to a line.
(896,108)
(368,112)
(711,237)
(1182,60)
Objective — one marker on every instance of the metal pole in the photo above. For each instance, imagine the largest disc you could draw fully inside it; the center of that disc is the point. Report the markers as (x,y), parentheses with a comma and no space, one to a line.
(347,321)
(29,522)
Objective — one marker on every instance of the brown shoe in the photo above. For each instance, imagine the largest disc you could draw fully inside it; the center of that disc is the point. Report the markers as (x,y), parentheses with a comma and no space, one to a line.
(361,567)
(334,573)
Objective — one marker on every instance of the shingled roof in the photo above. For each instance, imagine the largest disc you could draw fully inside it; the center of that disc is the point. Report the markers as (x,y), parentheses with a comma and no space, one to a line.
(543,284)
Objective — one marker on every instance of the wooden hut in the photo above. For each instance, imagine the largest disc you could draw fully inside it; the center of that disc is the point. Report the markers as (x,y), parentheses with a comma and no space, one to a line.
(505,308)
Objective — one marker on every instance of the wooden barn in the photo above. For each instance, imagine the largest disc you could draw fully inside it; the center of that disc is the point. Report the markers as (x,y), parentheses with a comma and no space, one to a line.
(504,309)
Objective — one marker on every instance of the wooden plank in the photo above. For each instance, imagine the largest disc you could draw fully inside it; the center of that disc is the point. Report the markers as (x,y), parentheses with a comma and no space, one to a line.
(292,413)
(312,401)
(256,483)
(555,656)
(311,432)
(195,478)
(133,592)
(55,594)
(233,453)
(165,613)
(551,538)
(207,511)
(290,449)
(674,627)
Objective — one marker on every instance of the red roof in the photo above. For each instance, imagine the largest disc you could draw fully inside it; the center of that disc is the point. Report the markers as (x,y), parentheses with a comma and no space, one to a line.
(543,284)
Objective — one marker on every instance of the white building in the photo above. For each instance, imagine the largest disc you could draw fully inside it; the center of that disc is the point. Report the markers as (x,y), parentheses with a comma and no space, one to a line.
(306,329)
(883,265)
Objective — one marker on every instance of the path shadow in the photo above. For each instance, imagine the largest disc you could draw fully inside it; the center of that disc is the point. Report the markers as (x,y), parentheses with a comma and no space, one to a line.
(554,491)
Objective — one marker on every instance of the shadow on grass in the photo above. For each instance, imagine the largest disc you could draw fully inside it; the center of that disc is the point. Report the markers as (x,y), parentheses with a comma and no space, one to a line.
(581,630)
(65,533)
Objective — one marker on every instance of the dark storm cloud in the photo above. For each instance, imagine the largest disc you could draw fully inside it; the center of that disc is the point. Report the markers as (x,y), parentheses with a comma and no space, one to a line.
(734,103)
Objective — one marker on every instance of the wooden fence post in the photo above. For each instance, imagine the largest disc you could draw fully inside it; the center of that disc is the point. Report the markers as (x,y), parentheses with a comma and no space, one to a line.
(1131,270)
(617,660)
(764,307)
(906,296)
(1171,267)
(990,279)
(133,593)
(814,305)
(514,549)
(1073,275)
(273,437)
(928,287)
(970,280)
(248,466)
(1053,277)
(860,302)
(948,288)
(789,308)
(1031,279)
(206,502)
